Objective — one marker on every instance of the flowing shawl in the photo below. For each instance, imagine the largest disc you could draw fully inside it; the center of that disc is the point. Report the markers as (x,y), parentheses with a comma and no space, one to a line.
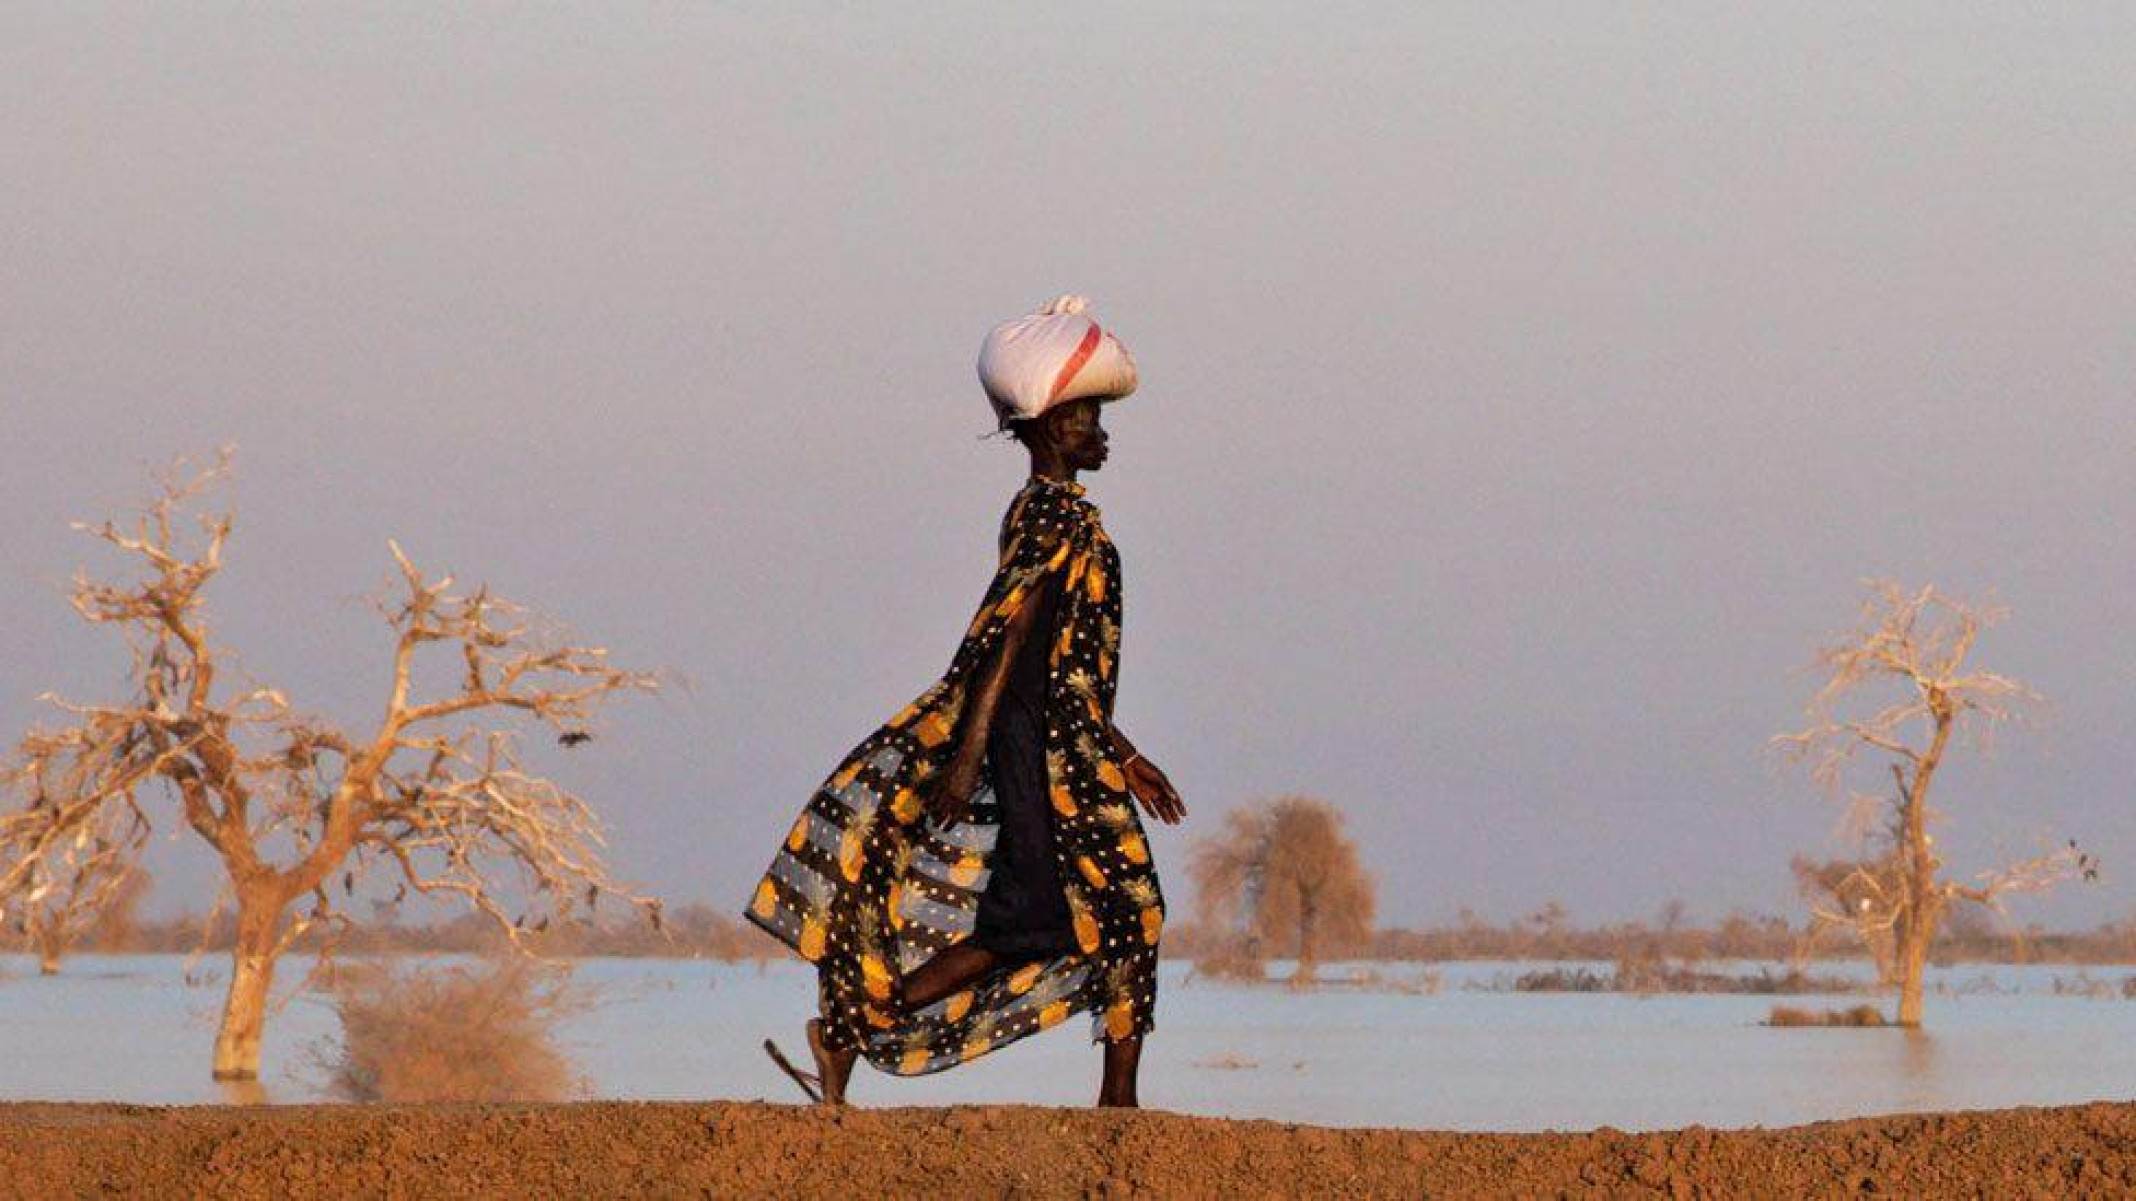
(867,887)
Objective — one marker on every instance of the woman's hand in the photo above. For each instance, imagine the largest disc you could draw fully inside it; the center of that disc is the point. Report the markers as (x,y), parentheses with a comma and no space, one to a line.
(951,797)
(1150,786)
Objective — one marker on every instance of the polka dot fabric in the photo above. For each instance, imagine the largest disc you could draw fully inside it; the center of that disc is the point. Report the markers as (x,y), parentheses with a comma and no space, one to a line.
(867,887)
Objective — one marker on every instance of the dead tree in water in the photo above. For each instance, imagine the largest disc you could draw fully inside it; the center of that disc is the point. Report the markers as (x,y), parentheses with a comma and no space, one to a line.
(1286,871)
(298,809)
(1913,646)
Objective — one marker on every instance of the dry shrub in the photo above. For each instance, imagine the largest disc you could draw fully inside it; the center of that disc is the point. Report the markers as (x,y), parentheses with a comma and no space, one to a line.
(478,1032)
(1858,1015)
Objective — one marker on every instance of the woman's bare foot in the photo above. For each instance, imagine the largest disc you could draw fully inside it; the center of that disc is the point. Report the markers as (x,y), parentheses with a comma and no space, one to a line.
(833,1068)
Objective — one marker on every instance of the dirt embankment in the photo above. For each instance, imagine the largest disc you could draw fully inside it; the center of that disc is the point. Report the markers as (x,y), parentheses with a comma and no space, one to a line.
(613,1149)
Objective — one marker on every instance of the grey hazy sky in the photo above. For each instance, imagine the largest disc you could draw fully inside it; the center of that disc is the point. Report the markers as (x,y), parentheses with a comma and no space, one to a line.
(1525,388)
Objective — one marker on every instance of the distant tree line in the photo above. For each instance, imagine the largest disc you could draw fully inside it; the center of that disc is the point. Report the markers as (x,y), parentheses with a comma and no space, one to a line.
(1550,933)
(691,932)
(703,931)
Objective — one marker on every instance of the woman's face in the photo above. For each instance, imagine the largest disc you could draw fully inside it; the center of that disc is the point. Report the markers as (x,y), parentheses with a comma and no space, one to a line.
(1078,432)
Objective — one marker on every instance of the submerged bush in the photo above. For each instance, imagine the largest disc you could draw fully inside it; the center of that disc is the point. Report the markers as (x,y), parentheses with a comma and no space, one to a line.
(478,1032)
(1858,1015)
(1561,979)
(1634,976)
(1234,959)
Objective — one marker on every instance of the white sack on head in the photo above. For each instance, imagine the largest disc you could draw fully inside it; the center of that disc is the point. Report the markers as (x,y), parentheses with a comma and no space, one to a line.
(1052,356)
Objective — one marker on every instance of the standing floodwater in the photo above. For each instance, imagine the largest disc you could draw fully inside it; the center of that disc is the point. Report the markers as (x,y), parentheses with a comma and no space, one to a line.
(127,1028)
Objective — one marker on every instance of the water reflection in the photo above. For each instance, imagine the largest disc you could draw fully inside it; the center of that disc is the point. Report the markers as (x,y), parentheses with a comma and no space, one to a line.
(1917,1066)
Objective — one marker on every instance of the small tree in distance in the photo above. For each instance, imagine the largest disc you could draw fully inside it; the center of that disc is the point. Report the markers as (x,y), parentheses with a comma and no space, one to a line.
(1285,871)
(1896,691)
(297,809)
(84,882)
(77,881)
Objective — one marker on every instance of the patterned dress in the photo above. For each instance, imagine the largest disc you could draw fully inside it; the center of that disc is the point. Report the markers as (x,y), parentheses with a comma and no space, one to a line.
(867,887)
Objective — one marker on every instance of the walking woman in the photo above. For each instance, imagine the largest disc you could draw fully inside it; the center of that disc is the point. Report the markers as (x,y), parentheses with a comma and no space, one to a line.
(975,871)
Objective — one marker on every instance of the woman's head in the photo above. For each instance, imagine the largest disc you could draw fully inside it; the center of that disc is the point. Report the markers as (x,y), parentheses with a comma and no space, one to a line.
(1065,439)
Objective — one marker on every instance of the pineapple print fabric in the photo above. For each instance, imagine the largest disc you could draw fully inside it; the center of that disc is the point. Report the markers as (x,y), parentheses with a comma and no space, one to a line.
(867,887)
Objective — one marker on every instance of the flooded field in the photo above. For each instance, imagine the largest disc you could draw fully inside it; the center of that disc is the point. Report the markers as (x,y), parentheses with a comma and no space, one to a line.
(1468,1056)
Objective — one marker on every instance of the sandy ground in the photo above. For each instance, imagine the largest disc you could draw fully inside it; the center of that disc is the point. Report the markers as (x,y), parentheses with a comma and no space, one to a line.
(718,1149)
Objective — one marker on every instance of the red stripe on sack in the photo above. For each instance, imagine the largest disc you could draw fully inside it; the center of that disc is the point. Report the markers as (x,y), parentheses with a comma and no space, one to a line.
(1088,347)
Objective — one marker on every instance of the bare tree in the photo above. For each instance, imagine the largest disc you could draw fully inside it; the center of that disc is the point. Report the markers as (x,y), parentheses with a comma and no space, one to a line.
(296,808)
(1896,691)
(1285,871)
